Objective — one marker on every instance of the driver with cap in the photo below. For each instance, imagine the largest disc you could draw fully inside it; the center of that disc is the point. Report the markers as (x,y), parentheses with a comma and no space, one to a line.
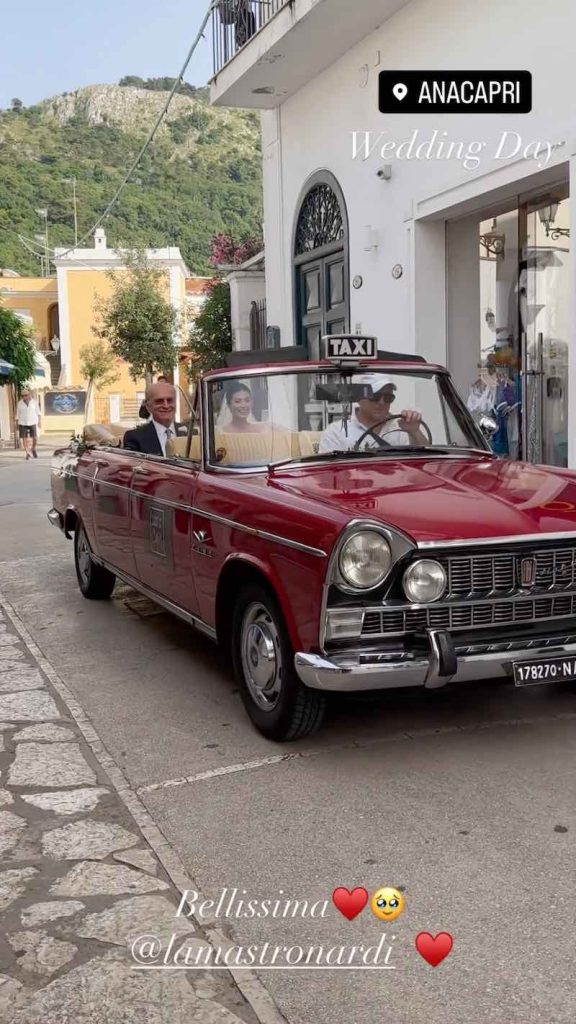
(371,424)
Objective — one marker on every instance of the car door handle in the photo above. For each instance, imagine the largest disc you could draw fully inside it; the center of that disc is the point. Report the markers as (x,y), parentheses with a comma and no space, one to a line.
(102,464)
(142,470)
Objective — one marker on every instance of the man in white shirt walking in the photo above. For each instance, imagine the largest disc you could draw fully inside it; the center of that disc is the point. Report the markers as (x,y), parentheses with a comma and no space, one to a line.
(28,419)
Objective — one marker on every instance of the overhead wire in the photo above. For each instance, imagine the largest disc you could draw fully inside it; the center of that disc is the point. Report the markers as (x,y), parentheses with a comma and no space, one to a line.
(147,143)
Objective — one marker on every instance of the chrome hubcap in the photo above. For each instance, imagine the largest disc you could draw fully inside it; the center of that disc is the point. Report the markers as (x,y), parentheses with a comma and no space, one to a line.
(261,657)
(83,557)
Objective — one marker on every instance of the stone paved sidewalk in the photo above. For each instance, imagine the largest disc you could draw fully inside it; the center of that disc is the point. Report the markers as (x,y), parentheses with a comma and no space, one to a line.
(47,445)
(78,879)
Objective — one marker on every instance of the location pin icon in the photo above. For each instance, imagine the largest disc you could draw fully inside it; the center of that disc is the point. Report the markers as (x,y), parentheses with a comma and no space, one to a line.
(400,90)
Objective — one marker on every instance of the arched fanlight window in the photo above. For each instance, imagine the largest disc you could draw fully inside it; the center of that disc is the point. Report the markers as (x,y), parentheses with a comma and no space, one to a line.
(320,220)
(321,263)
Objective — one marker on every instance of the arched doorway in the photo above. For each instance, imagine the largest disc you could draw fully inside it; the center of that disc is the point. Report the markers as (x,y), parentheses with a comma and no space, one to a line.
(53,353)
(321,263)
(53,322)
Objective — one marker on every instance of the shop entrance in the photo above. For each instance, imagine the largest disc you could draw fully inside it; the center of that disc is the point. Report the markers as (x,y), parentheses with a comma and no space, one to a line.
(508,322)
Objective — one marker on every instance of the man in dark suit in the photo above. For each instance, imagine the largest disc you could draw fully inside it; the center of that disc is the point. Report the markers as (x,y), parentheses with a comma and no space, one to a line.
(151,439)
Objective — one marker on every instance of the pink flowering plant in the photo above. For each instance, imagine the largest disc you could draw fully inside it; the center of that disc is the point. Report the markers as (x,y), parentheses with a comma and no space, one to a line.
(227,252)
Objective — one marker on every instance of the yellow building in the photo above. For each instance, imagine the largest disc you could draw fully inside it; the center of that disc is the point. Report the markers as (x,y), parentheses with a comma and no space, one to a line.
(62,312)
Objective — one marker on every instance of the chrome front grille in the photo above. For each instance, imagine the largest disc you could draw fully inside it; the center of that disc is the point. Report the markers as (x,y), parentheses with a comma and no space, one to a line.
(487,589)
(482,575)
(397,619)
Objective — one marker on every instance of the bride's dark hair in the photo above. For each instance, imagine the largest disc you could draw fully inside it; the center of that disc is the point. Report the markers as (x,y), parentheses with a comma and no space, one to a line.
(233,389)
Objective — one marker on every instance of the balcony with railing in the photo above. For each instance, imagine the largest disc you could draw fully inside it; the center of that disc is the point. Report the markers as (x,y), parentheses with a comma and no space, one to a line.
(234,22)
(265,50)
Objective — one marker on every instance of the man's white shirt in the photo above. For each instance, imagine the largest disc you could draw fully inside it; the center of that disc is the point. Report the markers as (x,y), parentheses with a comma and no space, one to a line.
(161,432)
(27,414)
(341,437)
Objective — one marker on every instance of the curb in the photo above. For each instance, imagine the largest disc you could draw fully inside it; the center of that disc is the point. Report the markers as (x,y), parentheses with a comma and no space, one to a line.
(250,986)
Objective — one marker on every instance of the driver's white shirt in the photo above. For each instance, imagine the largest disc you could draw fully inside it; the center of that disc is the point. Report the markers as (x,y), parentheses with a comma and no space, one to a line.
(340,437)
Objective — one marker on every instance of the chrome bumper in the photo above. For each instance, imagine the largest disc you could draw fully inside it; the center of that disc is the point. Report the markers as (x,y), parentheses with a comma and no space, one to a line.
(348,672)
(56,518)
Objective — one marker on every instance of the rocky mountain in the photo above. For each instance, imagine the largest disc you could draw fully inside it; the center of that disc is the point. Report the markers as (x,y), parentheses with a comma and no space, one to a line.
(200,177)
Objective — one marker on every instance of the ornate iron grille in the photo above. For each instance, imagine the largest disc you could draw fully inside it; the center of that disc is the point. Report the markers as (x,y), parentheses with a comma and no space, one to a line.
(320,220)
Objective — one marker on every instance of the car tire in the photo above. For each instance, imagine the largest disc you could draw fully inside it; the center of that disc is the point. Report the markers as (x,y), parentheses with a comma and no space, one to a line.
(278,703)
(95,582)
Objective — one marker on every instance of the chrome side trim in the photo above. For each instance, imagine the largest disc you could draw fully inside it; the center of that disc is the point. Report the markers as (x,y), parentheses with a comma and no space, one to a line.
(192,620)
(264,534)
(317,552)
(528,538)
(140,494)
(105,483)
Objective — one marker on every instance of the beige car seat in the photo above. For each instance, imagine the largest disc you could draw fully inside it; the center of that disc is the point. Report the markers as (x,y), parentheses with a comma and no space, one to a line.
(176,448)
(250,449)
(104,433)
(309,442)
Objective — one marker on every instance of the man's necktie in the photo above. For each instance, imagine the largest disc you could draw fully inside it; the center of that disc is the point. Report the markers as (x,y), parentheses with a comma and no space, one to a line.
(169,434)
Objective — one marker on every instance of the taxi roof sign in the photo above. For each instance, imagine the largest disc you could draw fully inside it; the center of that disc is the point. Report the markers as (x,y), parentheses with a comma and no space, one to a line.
(350,347)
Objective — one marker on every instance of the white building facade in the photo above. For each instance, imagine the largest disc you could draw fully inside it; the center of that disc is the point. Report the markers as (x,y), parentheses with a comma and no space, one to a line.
(446,235)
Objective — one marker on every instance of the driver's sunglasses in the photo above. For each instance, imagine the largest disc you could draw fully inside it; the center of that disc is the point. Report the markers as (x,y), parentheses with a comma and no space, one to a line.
(383,396)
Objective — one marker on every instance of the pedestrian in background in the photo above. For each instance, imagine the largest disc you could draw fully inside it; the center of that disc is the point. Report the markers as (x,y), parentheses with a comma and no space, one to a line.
(28,420)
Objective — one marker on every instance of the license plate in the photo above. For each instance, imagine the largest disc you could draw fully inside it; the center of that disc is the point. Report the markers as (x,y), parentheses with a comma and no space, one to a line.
(545,670)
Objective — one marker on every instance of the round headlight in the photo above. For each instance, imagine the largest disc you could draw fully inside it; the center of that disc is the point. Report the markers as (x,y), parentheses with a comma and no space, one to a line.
(365,560)
(424,581)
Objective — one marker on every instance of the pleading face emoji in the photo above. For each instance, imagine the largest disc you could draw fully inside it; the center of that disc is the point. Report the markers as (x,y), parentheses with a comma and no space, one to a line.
(387,904)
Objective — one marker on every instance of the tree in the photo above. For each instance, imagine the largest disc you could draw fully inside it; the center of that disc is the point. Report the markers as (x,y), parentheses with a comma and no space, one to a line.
(137,320)
(211,333)
(98,365)
(16,347)
(132,80)
(16,104)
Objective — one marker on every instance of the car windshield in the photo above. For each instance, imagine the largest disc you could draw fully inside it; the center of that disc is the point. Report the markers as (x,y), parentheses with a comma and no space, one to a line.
(259,419)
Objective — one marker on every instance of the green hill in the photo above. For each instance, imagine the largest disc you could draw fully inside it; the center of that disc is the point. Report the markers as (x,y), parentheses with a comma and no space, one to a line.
(200,177)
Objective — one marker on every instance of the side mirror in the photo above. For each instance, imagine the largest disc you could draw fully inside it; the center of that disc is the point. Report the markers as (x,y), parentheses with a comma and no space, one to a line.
(488,426)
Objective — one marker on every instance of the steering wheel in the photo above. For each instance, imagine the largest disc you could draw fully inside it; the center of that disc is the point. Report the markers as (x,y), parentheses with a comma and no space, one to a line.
(372,431)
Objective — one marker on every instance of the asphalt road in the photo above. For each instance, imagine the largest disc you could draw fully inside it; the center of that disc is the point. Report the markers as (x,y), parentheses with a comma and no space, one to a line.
(465,797)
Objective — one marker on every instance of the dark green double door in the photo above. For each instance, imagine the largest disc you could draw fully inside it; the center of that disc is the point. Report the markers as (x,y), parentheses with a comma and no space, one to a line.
(322,300)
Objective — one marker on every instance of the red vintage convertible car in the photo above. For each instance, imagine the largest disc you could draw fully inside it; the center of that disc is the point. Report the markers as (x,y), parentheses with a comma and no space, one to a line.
(328,555)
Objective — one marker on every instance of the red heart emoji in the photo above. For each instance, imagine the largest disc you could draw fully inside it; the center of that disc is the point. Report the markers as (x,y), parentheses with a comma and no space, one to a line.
(434,949)
(350,902)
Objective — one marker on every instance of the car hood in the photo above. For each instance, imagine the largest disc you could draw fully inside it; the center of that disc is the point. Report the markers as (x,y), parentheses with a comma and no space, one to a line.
(444,499)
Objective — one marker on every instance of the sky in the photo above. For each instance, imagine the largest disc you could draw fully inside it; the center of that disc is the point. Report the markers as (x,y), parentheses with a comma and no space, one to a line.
(50,48)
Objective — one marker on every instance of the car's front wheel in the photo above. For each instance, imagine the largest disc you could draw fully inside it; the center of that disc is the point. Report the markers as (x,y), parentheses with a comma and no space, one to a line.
(95,582)
(280,706)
